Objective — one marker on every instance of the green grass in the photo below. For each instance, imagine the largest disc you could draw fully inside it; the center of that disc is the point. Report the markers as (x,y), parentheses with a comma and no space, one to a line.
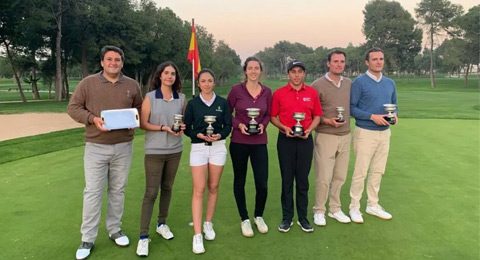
(9,90)
(450,100)
(431,187)
(33,107)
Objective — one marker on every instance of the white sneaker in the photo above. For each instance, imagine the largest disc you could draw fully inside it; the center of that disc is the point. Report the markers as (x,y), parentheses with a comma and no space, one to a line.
(339,216)
(319,219)
(379,212)
(142,248)
(261,225)
(120,239)
(198,244)
(247,230)
(356,216)
(165,232)
(208,230)
(84,250)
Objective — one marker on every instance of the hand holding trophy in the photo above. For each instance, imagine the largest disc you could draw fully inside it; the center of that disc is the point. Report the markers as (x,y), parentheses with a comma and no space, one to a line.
(178,121)
(253,125)
(390,108)
(209,130)
(298,128)
(340,116)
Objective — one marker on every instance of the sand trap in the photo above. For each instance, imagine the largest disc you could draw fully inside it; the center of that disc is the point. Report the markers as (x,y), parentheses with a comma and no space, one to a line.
(20,125)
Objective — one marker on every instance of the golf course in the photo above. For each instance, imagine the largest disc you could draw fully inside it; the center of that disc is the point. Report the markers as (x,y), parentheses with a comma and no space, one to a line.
(431,187)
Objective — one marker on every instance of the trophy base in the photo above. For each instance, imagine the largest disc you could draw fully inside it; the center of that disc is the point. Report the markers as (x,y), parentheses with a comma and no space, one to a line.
(298,131)
(176,129)
(340,120)
(390,120)
(253,131)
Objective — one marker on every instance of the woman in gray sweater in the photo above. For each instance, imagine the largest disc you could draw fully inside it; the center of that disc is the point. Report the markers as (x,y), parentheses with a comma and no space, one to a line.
(163,147)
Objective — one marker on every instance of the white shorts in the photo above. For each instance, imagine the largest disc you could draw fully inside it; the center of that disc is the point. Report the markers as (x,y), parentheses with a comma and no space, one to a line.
(202,154)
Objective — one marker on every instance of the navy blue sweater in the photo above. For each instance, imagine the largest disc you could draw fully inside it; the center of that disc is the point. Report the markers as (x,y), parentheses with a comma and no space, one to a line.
(367,97)
(195,112)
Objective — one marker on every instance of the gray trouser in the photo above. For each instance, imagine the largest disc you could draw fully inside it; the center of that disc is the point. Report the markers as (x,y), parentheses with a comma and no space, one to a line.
(104,163)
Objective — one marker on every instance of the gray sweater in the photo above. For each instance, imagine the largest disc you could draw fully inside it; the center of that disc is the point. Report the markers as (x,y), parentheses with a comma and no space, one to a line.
(161,113)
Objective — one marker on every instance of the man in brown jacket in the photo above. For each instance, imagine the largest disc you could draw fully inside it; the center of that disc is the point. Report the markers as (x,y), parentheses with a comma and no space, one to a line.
(332,140)
(107,153)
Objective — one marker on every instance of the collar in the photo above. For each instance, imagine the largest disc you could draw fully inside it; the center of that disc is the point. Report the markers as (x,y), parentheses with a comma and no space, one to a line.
(105,80)
(208,103)
(159,94)
(290,88)
(262,87)
(333,82)
(373,76)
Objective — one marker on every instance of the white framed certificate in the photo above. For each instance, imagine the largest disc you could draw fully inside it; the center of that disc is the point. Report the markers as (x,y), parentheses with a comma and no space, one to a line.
(120,118)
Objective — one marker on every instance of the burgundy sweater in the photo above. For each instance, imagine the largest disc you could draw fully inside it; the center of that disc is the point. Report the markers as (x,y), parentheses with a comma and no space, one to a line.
(239,100)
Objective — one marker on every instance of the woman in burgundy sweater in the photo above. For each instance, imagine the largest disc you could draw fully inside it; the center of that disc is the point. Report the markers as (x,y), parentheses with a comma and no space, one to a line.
(250,94)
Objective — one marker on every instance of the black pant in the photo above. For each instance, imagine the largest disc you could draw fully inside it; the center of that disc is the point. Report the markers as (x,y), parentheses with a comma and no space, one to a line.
(295,158)
(259,159)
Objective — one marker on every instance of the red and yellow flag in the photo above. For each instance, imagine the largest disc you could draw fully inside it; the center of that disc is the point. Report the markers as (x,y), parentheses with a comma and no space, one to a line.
(193,56)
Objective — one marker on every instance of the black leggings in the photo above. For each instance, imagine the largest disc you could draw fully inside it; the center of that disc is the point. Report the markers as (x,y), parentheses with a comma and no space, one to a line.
(259,159)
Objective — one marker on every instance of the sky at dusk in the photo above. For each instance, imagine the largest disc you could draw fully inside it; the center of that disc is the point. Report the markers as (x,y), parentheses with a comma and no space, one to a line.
(248,26)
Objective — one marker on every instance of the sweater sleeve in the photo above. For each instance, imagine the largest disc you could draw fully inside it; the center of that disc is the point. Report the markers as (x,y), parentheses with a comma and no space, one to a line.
(227,121)
(232,102)
(77,109)
(266,118)
(188,120)
(394,97)
(355,97)
(137,101)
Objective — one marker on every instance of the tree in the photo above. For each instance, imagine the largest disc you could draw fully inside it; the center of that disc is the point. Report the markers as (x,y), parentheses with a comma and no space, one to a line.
(5,68)
(470,25)
(437,16)
(227,62)
(452,56)
(389,26)
(355,60)
(11,17)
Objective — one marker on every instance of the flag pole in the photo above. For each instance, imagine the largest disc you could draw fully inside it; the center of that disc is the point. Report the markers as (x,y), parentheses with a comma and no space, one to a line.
(193,70)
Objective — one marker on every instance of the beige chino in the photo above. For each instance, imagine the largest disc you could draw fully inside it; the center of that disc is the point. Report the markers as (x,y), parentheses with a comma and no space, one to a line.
(370,148)
(332,154)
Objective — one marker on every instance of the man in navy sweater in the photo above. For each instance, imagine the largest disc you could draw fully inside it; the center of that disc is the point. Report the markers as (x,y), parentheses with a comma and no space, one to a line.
(371,137)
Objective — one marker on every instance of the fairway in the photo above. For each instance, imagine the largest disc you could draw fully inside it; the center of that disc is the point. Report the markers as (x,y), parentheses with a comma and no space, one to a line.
(431,187)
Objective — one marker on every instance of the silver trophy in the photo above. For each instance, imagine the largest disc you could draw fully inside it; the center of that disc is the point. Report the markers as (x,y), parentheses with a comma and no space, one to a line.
(178,120)
(209,130)
(340,117)
(253,125)
(298,128)
(390,108)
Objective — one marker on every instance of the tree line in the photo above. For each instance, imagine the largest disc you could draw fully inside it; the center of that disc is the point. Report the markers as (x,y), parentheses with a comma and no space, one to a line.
(389,26)
(47,39)
(51,40)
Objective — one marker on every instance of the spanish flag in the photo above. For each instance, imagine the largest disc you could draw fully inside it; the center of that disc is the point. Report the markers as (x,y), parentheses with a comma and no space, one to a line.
(193,56)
